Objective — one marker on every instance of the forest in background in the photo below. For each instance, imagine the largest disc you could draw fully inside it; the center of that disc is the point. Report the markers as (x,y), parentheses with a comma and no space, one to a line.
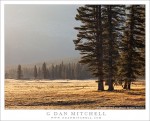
(65,69)
(58,70)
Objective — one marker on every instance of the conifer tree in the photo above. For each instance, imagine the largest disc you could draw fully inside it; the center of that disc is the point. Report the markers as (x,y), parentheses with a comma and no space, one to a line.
(114,26)
(52,72)
(90,41)
(35,72)
(98,39)
(44,70)
(133,45)
(19,72)
(39,73)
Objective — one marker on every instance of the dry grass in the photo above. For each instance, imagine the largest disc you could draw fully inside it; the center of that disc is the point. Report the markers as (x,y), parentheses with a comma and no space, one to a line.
(73,94)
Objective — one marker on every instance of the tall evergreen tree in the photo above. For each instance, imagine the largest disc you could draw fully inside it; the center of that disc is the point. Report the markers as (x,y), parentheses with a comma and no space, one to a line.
(114,25)
(98,39)
(44,70)
(90,41)
(52,72)
(39,73)
(19,72)
(133,44)
(35,72)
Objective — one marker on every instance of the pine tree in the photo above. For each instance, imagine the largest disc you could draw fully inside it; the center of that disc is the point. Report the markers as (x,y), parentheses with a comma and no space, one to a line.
(133,45)
(48,74)
(98,40)
(35,72)
(44,70)
(39,73)
(52,72)
(19,72)
(69,71)
(89,40)
(114,25)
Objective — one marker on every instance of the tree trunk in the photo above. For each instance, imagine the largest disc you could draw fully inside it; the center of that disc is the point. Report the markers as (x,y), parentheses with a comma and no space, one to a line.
(111,86)
(125,85)
(100,85)
(99,48)
(111,49)
(129,86)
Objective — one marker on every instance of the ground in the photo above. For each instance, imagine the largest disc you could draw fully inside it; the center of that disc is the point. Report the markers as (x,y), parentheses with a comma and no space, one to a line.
(70,94)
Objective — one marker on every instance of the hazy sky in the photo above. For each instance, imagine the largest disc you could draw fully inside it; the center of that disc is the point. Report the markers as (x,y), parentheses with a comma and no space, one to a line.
(35,33)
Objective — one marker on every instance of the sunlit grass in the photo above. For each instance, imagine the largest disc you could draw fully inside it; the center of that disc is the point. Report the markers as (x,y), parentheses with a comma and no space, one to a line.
(69,94)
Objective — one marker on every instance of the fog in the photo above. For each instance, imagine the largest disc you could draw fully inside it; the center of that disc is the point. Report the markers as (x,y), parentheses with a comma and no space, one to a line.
(35,33)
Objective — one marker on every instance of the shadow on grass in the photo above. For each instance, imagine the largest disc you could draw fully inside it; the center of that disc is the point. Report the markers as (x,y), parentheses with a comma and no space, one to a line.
(136,92)
(130,92)
(57,103)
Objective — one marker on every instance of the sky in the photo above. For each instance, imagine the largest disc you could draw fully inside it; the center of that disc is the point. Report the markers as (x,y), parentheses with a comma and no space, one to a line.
(38,33)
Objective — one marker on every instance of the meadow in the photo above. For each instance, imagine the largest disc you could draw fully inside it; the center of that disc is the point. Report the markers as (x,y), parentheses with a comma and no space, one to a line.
(71,94)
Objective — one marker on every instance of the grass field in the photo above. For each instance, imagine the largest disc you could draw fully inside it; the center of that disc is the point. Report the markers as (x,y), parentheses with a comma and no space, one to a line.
(70,94)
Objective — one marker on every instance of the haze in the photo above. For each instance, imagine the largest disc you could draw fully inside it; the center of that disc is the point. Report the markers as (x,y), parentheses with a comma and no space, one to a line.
(35,33)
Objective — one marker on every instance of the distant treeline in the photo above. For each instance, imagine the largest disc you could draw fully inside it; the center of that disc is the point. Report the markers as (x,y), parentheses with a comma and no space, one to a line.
(58,71)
